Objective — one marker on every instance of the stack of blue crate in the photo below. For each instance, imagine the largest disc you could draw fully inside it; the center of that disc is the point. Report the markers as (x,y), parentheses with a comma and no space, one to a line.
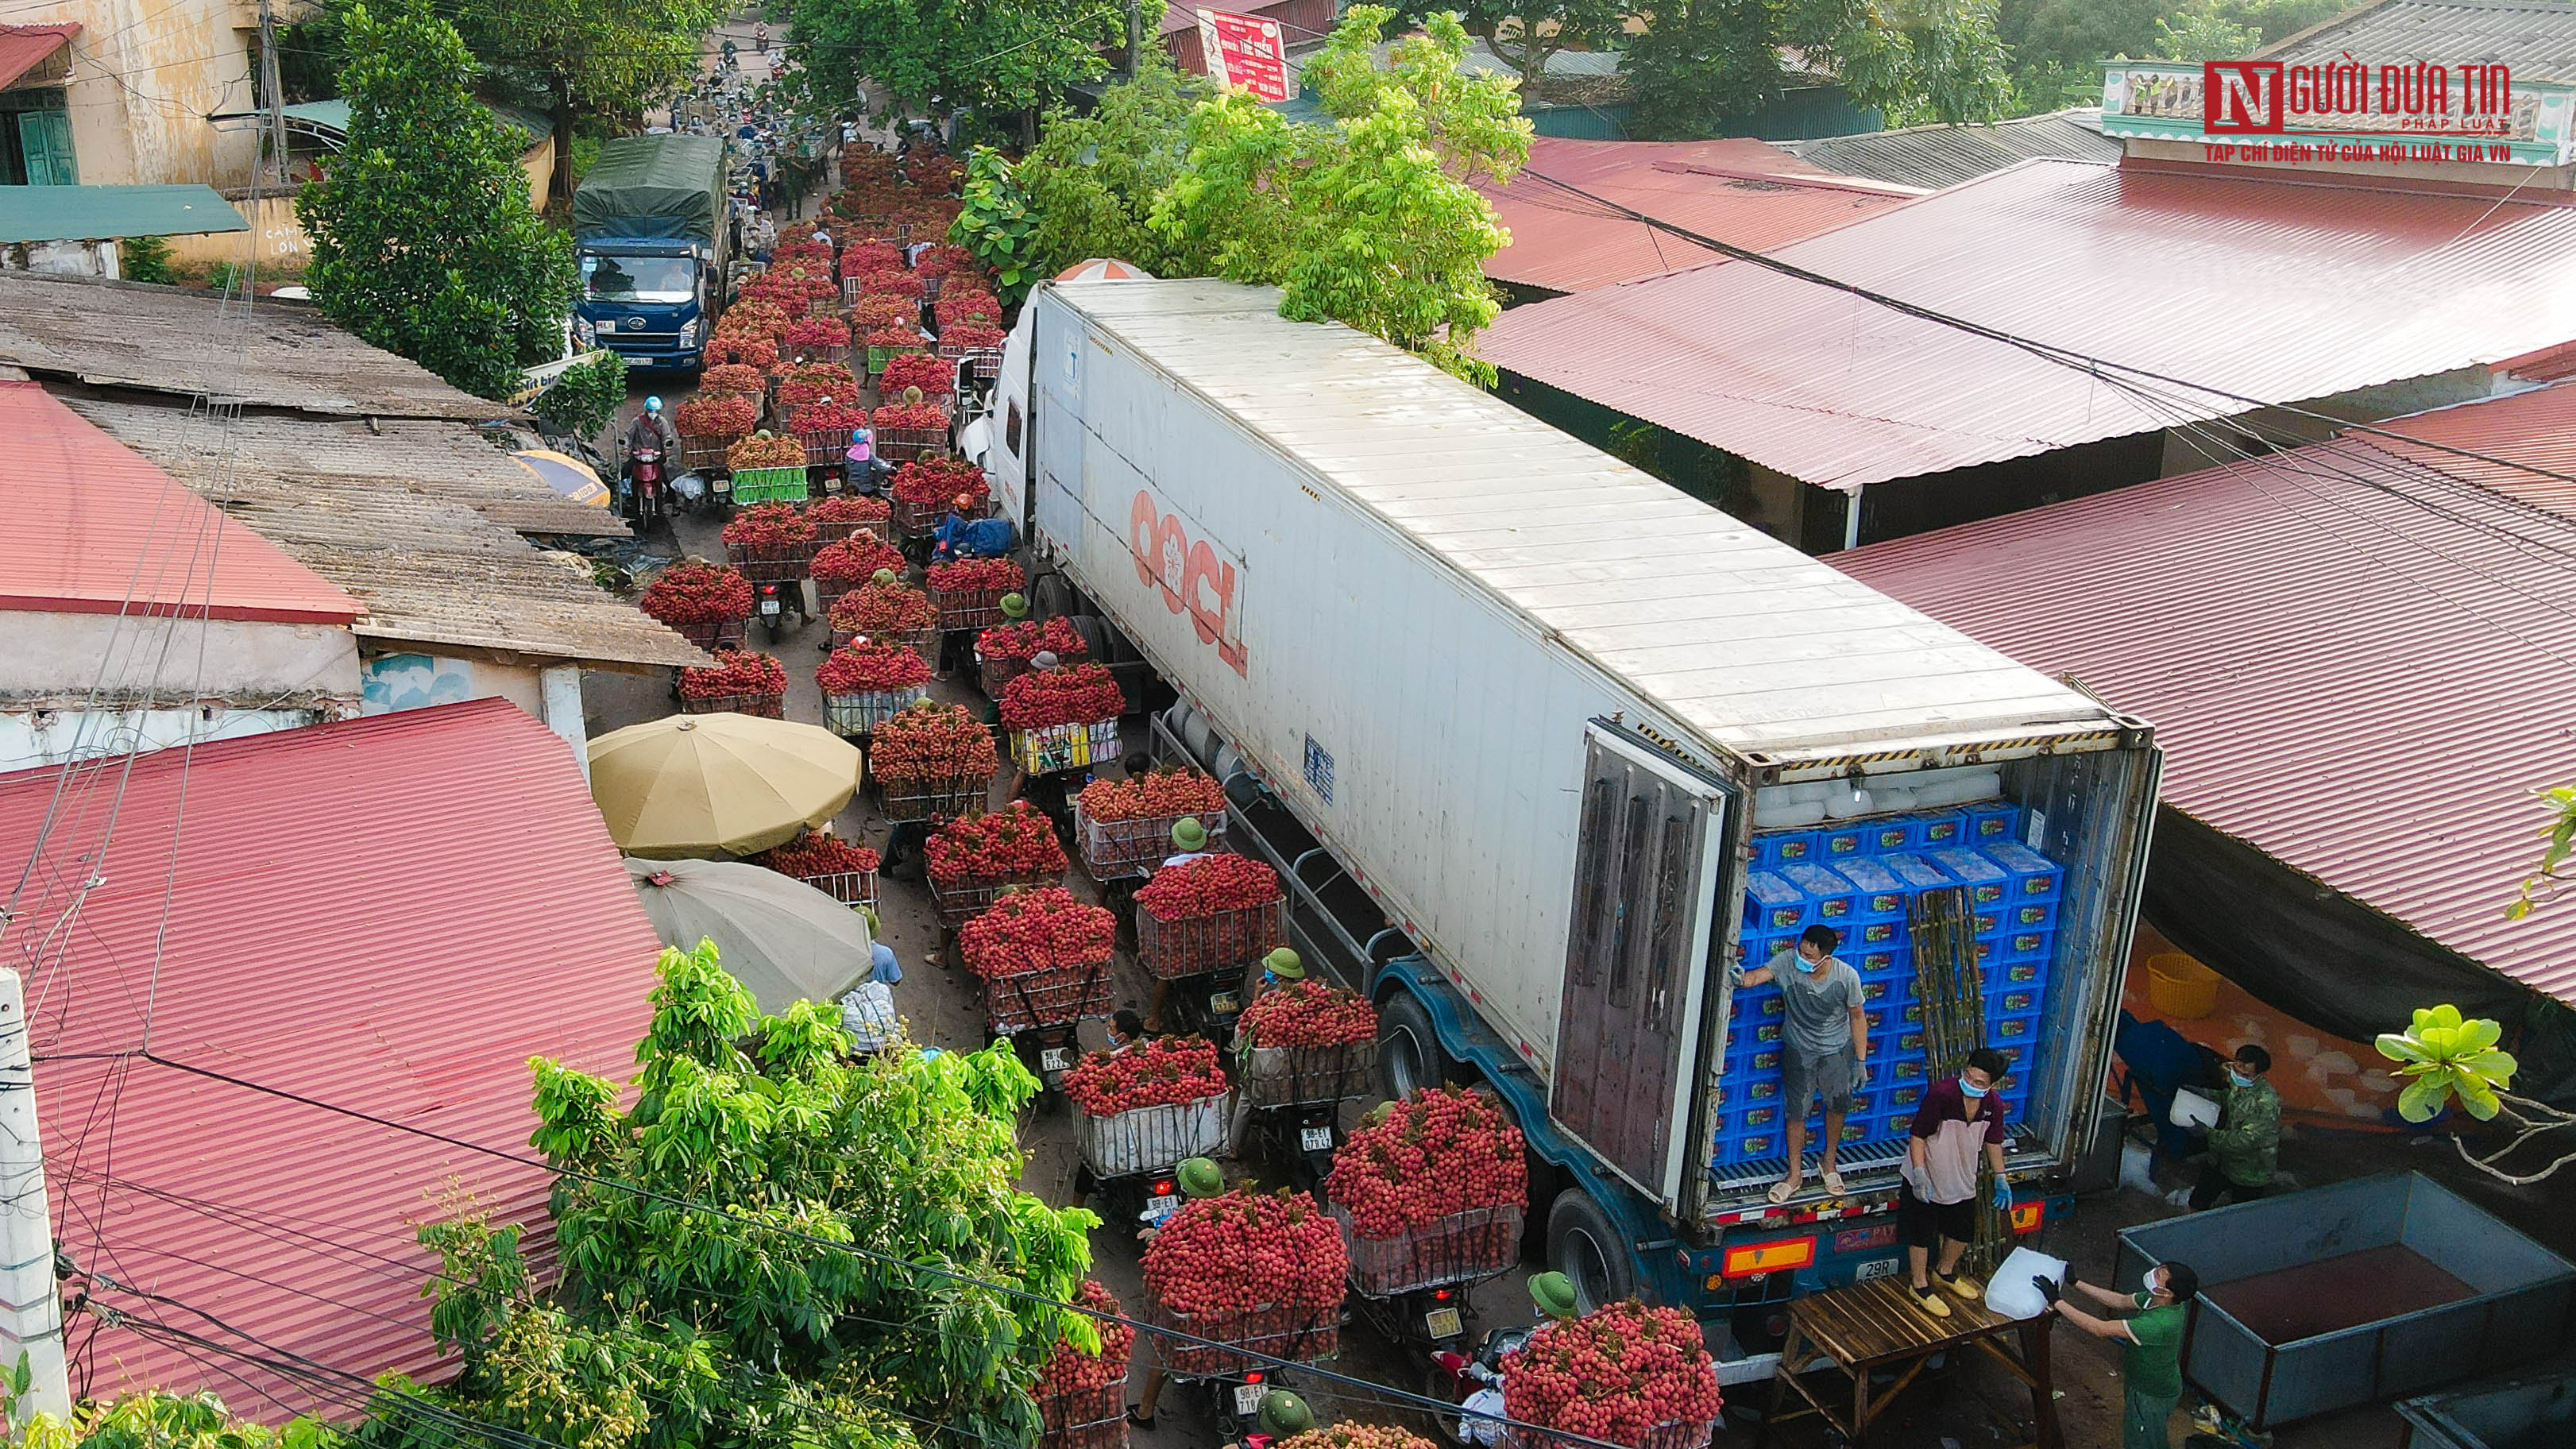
(1860,877)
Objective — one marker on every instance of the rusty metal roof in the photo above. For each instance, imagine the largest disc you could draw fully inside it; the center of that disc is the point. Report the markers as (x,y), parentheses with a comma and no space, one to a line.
(1932,157)
(2280,290)
(1742,191)
(94,528)
(390,914)
(2357,664)
(24,47)
(430,570)
(2534,39)
(180,340)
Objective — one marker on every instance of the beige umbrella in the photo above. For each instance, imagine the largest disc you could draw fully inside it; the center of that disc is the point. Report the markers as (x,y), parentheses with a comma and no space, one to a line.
(718,784)
(782,939)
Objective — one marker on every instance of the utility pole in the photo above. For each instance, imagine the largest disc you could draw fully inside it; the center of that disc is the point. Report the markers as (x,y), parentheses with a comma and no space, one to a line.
(31,1305)
(1135,34)
(268,82)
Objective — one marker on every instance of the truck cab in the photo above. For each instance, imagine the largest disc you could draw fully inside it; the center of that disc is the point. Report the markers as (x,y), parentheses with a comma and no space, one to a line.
(644,299)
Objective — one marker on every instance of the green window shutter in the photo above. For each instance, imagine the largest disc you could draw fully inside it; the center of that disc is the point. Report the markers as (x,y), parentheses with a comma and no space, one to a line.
(46,139)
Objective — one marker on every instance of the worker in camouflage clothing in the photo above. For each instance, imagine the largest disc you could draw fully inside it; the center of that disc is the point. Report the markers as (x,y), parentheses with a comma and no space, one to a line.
(2245,1146)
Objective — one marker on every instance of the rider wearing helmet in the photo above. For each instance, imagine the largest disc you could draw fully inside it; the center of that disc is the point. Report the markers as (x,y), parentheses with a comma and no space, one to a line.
(1283,1416)
(653,430)
(1552,1294)
(1196,1177)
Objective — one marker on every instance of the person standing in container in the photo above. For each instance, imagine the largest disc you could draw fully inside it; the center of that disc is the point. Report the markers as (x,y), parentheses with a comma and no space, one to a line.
(1960,1119)
(1825,1043)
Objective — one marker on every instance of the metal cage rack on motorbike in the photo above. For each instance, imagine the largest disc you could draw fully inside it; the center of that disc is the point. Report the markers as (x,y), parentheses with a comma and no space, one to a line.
(1464,1247)
(1119,849)
(969,608)
(778,564)
(1298,1076)
(958,902)
(829,531)
(712,634)
(859,713)
(1052,996)
(700,453)
(1092,1418)
(904,445)
(770,704)
(1229,941)
(825,447)
(1154,1139)
(1297,1333)
(849,887)
(942,797)
(916,521)
(924,642)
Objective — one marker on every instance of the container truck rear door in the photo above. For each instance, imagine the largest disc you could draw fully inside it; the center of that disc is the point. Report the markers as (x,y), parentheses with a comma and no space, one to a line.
(1643,929)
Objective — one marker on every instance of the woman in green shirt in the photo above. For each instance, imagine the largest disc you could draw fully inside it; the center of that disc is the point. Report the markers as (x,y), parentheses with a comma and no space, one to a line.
(2151,1367)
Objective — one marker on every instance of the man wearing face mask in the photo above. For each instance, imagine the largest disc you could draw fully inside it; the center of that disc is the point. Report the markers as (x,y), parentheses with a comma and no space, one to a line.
(2151,1324)
(2245,1145)
(1959,1121)
(1826,1036)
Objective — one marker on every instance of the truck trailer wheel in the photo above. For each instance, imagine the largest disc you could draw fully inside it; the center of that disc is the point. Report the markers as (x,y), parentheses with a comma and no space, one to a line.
(1408,1050)
(1583,1246)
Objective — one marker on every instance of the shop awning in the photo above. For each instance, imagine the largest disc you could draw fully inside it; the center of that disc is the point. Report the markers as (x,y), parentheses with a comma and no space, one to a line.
(25,47)
(101,213)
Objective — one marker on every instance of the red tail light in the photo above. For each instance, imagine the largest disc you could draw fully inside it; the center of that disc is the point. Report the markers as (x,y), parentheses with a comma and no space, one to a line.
(1441,1296)
(1253,1377)
(1161,1188)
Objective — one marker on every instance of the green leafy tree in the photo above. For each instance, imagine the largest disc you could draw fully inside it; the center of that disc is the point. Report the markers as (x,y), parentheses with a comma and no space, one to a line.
(2200,31)
(423,241)
(588,59)
(995,56)
(1702,65)
(1373,220)
(145,259)
(995,223)
(1091,182)
(2443,1058)
(155,1420)
(1524,34)
(585,396)
(2058,46)
(912,1156)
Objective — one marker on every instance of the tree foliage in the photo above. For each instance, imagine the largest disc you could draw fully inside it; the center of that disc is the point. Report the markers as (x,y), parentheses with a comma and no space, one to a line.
(585,397)
(1091,182)
(423,240)
(1372,220)
(604,59)
(2199,31)
(2058,46)
(1524,34)
(936,56)
(155,1420)
(1703,64)
(909,1155)
(995,223)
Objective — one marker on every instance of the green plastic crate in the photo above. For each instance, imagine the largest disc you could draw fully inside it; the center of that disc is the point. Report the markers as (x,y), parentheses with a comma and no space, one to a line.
(769,485)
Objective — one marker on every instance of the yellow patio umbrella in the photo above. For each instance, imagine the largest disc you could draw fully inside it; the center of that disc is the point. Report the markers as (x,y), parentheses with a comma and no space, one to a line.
(702,785)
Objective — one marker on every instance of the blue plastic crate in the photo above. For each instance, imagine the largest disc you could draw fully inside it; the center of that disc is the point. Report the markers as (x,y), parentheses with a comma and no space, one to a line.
(1776,848)
(2014,1000)
(1986,881)
(1899,1040)
(1755,1147)
(1882,963)
(1747,1055)
(1831,899)
(1995,820)
(1879,895)
(1917,872)
(1900,1098)
(1887,988)
(2026,946)
(1939,830)
(1838,843)
(2034,876)
(1773,905)
(1890,835)
(1987,922)
(2030,971)
(2009,1029)
(1759,1003)
(2031,915)
(1876,935)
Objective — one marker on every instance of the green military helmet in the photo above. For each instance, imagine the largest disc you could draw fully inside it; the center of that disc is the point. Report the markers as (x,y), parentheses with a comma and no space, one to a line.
(1015,606)
(1200,1177)
(1284,965)
(1189,834)
(1284,1414)
(1552,1294)
(869,915)
(1377,1114)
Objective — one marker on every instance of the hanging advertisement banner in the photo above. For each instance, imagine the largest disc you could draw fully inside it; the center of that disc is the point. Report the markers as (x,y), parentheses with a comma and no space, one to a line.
(1244,54)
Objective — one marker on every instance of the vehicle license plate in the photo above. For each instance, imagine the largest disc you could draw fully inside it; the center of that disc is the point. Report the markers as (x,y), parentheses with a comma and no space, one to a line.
(1441,1323)
(1247,1399)
(1222,1004)
(1883,1268)
(1055,1059)
(1157,1207)
(1315,1139)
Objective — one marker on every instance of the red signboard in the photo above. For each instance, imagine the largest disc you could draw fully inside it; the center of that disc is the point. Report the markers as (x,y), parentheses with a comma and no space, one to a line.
(1244,54)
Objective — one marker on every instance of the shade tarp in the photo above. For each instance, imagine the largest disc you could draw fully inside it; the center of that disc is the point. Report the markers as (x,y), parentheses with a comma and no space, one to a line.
(104,213)
(718,784)
(653,187)
(782,939)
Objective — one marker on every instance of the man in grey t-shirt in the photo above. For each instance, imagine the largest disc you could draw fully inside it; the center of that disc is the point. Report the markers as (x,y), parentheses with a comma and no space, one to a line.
(1826,1033)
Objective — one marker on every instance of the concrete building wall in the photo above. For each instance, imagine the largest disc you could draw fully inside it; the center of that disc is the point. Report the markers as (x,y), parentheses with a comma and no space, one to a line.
(30,738)
(398,681)
(145,74)
(56,660)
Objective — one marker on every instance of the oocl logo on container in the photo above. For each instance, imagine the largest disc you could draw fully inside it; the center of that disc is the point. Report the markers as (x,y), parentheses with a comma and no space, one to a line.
(1188,573)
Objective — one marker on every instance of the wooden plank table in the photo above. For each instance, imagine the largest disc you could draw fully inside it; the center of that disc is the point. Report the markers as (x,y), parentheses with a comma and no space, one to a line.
(1876,1324)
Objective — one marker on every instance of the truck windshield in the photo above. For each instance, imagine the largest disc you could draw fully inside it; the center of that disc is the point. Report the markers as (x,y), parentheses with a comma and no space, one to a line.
(638,279)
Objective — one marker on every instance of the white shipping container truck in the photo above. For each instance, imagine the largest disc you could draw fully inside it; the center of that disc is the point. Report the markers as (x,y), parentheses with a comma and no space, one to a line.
(1529,699)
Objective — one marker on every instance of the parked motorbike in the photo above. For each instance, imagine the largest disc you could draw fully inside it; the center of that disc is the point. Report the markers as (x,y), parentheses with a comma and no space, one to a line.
(777,601)
(1048,1052)
(641,490)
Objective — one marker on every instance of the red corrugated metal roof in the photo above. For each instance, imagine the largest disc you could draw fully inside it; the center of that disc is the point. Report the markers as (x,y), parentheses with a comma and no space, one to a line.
(393,914)
(93,524)
(1742,191)
(2280,290)
(2366,687)
(2527,432)
(24,47)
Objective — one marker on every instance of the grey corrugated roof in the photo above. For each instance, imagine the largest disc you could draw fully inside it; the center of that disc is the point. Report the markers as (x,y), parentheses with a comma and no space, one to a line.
(431,569)
(1938,156)
(186,342)
(2535,39)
